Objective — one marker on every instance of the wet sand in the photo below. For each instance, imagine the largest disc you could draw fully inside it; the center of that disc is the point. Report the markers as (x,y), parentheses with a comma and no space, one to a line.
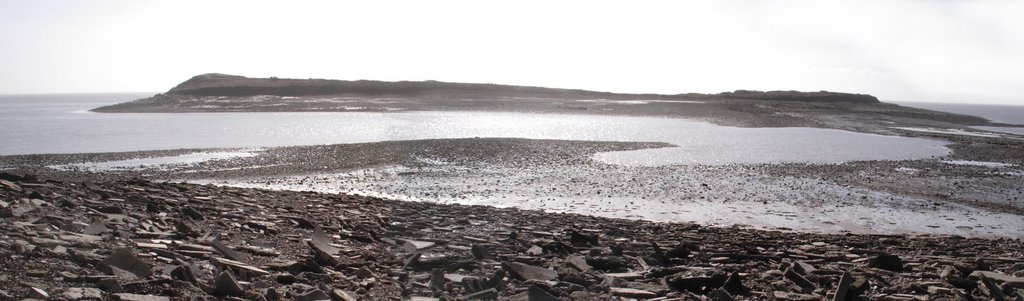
(887,197)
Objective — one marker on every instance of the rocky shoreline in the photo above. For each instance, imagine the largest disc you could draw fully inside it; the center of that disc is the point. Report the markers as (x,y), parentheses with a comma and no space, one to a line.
(142,240)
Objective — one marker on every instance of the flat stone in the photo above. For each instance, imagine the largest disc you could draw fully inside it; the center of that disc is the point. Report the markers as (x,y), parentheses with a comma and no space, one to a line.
(260,251)
(578,262)
(238,265)
(146,245)
(137,297)
(807,285)
(47,242)
(82,238)
(803,268)
(340,295)
(412,246)
(38,293)
(195,247)
(97,227)
(322,243)
(37,273)
(10,185)
(78,293)
(487,294)
(632,293)
(227,251)
(1006,280)
(794,296)
(938,290)
(528,272)
(625,276)
(125,260)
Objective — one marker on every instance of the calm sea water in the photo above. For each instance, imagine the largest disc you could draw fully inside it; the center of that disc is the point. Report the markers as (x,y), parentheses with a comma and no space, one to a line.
(62,124)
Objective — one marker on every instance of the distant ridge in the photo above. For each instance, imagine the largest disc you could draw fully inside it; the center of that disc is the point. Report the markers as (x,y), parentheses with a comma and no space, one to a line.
(217,84)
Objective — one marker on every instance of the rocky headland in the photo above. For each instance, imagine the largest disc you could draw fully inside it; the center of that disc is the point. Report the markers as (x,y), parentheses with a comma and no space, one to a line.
(231,93)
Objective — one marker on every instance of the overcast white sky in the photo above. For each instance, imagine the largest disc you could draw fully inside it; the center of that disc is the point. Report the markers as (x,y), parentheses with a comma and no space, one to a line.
(943,51)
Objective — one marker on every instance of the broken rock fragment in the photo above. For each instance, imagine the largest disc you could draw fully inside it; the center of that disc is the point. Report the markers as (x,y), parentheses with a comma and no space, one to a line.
(528,272)
(225,284)
(123,263)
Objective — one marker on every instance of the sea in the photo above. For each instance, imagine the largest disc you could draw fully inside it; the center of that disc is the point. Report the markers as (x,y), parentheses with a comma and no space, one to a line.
(49,124)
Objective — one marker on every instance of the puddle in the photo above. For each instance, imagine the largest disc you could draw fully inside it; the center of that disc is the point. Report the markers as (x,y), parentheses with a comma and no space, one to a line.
(978,163)
(950,132)
(1008,130)
(635,102)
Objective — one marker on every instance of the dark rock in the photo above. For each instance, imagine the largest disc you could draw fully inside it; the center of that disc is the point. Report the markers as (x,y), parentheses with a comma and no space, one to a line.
(697,280)
(285,278)
(185,273)
(720,295)
(583,240)
(535,293)
(681,251)
(226,285)
(437,280)
(192,213)
(988,287)
(110,285)
(887,262)
(480,252)
(800,280)
(858,287)
(803,268)
(842,292)
(734,285)
(608,263)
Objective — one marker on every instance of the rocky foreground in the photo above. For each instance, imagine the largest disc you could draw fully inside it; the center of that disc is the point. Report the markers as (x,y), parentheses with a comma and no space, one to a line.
(141,240)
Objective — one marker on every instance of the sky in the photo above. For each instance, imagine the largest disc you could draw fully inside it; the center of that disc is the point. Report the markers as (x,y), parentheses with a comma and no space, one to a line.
(905,50)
